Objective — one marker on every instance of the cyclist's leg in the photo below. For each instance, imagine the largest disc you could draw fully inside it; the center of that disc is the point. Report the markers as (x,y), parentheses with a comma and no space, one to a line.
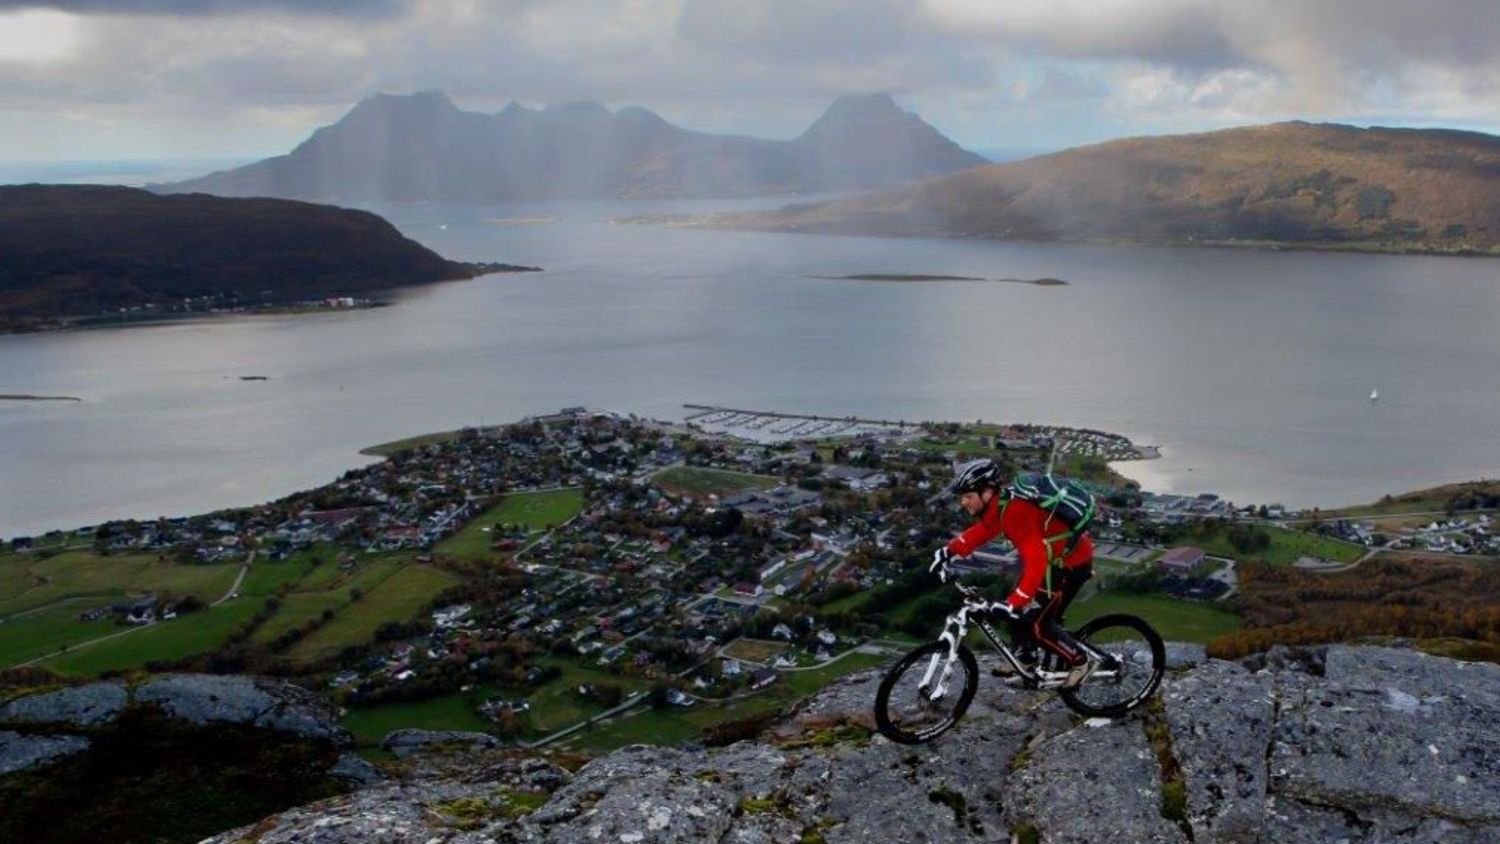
(1047,627)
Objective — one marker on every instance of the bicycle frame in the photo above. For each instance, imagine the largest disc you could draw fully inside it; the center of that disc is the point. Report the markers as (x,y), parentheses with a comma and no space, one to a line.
(956,629)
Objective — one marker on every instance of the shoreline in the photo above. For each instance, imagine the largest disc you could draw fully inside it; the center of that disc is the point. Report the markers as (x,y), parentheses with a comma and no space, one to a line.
(687,221)
(375,299)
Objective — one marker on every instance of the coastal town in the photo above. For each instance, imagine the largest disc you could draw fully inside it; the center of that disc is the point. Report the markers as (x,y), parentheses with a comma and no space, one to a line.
(594,577)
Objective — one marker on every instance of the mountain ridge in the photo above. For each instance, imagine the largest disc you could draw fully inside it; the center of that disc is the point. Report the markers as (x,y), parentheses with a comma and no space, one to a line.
(423,147)
(1294,183)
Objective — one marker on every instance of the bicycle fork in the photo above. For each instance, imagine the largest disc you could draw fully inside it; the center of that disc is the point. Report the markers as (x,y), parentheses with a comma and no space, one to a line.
(954,631)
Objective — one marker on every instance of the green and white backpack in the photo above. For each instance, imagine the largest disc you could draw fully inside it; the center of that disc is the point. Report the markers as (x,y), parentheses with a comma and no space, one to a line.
(1072,506)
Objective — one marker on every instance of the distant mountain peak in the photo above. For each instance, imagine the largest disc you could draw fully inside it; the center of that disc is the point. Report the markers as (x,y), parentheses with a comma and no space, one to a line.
(881,104)
(415,98)
(422,146)
(419,104)
(580,107)
(861,134)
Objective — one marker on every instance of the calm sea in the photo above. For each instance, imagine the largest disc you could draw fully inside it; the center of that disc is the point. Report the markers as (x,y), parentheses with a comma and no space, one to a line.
(1251,370)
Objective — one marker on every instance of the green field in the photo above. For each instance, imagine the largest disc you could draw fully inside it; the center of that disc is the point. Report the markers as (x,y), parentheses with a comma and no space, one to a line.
(1286,547)
(27,637)
(297,609)
(755,650)
(28,581)
(557,705)
(200,632)
(370,724)
(1176,621)
(398,446)
(532,510)
(674,726)
(697,481)
(397,597)
(553,707)
(1431,500)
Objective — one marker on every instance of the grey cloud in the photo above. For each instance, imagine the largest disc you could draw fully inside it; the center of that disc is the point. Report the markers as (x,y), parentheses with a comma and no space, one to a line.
(769,67)
(351,8)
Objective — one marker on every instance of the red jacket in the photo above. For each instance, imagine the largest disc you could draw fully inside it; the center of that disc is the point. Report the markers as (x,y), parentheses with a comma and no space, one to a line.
(1025,525)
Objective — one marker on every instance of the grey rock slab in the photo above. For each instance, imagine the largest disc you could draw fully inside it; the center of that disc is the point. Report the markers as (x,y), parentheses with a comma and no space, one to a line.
(1394,730)
(21,752)
(879,793)
(748,770)
(356,770)
(638,795)
(764,828)
(387,814)
(1220,720)
(203,699)
(850,699)
(404,743)
(1090,785)
(1289,821)
(1184,655)
(80,707)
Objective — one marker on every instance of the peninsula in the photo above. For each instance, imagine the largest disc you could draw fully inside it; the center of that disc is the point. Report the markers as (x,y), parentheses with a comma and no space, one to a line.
(79,252)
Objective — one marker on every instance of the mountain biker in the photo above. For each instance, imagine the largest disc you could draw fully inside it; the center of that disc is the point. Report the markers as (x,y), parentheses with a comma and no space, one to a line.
(1033,612)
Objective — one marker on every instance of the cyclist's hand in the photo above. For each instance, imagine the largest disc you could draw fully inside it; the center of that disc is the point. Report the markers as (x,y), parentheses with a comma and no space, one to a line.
(1004,610)
(940,559)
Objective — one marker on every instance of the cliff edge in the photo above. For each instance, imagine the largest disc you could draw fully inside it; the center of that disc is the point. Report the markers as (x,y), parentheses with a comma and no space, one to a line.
(1345,743)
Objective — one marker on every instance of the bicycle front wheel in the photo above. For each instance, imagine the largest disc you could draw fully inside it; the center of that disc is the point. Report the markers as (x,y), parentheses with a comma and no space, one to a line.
(1134,659)
(916,702)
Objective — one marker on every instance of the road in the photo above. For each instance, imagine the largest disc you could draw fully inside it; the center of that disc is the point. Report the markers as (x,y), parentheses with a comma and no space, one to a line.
(240,578)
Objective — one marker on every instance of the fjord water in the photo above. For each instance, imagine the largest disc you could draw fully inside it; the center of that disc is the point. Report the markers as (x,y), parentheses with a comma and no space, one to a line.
(1251,369)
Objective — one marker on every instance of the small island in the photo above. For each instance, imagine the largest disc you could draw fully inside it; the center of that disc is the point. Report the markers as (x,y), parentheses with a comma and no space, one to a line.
(24,397)
(1039,282)
(1042,282)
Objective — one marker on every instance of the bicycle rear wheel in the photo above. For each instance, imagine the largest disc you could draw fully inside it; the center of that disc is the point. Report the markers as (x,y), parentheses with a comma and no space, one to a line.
(910,711)
(1134,660)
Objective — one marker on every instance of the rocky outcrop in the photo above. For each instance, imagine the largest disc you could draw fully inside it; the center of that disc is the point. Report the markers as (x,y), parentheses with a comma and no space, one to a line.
(202,699)
(404,743)
(94,705)
(197,700)
(19,751)
(1353,744)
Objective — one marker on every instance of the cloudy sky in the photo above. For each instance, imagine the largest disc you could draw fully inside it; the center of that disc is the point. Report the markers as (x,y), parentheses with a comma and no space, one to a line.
(117,79)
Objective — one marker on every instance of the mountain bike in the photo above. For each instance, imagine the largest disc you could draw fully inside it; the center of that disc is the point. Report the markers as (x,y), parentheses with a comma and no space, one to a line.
(929,689)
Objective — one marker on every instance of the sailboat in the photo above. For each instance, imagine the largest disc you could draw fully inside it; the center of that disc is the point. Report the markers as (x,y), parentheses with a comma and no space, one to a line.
(1374,396)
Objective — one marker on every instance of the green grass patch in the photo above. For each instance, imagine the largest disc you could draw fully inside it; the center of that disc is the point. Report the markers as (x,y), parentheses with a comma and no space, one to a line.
(196,633)
(28,581)
(813,680)
(297,609)
(37,634)
(531,510)
(370,724)
(1434,499)
(693,480)
(557,704)
(1286,547)
(755,650)
(398,446)
(674,726)
(1175,620)
(398,597)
